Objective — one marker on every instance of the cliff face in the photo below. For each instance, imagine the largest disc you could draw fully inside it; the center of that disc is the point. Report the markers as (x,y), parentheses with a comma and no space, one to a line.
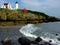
(18,16)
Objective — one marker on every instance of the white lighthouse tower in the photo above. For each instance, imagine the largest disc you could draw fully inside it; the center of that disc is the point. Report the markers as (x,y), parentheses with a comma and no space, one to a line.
(16,5)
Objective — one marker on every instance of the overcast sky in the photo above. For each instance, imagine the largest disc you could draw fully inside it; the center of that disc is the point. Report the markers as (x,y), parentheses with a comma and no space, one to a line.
(50,7)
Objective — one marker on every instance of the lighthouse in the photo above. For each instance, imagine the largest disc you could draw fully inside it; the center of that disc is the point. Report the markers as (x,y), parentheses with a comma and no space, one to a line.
(5,5)
(8,6)
(16,5)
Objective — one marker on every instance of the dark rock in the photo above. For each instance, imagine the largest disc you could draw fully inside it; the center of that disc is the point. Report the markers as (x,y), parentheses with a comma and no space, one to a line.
(6,41)
(34,42)
(47,43)
(38,39)
(58,39)
(24,41)
(50,41)
(56,34)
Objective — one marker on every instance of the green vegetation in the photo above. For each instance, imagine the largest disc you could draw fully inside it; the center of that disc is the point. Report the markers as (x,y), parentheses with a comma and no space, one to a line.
(17,17)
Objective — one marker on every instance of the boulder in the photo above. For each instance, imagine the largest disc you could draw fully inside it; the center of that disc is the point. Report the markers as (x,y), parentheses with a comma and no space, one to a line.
(58,39)
(56,34)
(24,41)
(47,43)
(38,39)
(34,42)
(6,41)
(50,41)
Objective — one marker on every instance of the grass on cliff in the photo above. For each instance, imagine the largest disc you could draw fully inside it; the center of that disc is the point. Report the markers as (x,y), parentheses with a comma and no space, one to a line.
(6,14)
(17,17)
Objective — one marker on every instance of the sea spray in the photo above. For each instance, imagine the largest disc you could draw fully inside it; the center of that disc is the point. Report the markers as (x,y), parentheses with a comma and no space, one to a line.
(48,36)
(28,29)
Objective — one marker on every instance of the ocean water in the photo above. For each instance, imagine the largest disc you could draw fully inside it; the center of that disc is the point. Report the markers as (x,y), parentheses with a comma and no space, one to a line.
(46,31)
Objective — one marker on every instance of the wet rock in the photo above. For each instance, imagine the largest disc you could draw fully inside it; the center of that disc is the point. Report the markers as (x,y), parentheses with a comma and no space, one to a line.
(6,41)
(58,39)
(50,41)
(47,43)
(56,34)
(24,41)
(34,42)
(38,39)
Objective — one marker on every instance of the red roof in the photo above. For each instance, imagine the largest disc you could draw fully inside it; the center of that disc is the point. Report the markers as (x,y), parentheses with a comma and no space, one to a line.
(5,3)
(25,10)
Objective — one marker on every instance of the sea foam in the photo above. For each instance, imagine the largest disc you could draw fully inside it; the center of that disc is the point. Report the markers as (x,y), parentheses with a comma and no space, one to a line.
(28,29)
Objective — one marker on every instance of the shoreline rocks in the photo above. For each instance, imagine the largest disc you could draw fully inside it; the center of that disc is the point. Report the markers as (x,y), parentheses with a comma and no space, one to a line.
(6,41)
(37,41)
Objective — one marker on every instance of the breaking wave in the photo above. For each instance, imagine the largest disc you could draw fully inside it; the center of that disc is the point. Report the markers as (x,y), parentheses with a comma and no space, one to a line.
(29,29)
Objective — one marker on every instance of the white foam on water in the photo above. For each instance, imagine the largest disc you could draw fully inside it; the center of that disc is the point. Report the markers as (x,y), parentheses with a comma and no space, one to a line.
(28,29)
(54,40)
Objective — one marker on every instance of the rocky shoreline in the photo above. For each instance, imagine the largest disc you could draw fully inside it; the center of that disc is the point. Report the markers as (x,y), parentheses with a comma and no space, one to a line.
(18,17)
(23,22)
(25,41)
